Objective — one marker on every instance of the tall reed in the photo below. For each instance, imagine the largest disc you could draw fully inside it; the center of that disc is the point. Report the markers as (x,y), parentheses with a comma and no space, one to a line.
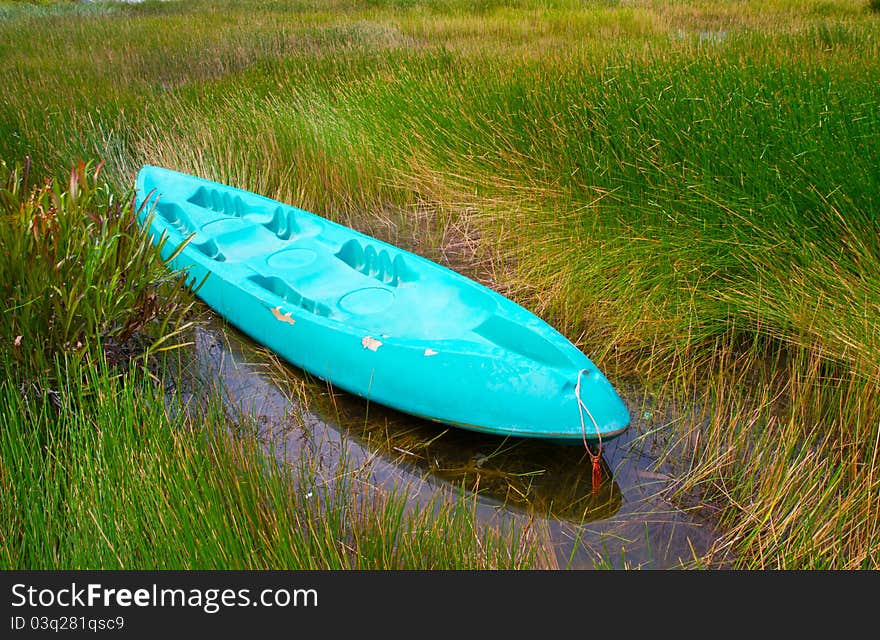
(78,275)
(102,475)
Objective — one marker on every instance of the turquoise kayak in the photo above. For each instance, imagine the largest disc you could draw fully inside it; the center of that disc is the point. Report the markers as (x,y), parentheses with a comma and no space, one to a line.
(373,319)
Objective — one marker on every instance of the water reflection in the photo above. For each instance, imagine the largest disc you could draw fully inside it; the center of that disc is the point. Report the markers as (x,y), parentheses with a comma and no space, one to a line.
(515,474)
(625,523)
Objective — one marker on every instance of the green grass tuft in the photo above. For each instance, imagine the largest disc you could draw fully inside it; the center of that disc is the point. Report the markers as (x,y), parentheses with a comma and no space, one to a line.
(79,275)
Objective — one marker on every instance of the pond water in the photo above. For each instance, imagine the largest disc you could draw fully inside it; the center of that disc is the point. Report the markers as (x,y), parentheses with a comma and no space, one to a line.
(624,523)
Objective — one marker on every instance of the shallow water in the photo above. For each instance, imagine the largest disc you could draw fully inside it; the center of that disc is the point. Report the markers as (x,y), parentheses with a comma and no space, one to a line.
(624,523)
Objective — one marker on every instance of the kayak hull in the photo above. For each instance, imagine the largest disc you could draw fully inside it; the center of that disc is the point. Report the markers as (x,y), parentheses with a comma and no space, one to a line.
(375,320)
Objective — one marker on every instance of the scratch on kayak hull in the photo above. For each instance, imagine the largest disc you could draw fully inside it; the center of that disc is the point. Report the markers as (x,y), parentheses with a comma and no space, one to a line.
(283,317)
(371,343)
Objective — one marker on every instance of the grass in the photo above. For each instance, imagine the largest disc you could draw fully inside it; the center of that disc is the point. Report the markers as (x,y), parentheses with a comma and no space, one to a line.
(78,274)
(687,189)
(105,477)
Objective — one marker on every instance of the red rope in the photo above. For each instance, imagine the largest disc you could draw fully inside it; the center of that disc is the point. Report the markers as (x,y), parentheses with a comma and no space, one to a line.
(597,468)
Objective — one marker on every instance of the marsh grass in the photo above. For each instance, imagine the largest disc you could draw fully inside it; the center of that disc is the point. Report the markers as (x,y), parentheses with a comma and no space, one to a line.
(688,190)
(800,442)
(106,477)
(79,275)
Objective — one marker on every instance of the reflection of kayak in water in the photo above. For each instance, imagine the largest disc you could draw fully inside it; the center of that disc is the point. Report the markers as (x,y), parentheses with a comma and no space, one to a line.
(518,474)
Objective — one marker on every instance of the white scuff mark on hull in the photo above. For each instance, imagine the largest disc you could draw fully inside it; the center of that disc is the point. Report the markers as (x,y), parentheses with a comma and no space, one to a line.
(283,317)
(371,343)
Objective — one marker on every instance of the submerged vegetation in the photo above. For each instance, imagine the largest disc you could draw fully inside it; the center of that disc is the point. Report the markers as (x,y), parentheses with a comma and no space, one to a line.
(689,190)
